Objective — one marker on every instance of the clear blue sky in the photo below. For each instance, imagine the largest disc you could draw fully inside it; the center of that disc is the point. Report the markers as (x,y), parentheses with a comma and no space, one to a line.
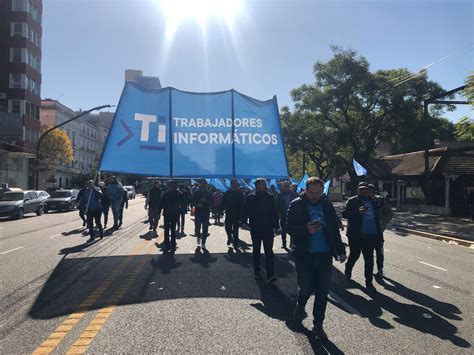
(88,44)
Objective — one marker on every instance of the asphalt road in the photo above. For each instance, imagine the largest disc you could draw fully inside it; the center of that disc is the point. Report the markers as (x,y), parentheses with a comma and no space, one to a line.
(122,295)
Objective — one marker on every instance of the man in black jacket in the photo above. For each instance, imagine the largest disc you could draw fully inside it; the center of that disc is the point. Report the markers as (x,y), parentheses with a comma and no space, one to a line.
(363,231)
(283,201)
(170,205)
(202,200)
(153,202)
(313,224)
(260,209)
(232,203)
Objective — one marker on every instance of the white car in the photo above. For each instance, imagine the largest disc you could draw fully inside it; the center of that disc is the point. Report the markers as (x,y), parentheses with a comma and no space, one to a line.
(130,192)
(42,195)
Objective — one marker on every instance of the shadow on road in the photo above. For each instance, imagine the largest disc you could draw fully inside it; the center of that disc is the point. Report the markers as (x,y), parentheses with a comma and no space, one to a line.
(230,275)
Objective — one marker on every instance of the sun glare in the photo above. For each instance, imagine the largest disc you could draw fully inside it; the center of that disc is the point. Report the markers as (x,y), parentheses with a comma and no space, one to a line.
(201,11)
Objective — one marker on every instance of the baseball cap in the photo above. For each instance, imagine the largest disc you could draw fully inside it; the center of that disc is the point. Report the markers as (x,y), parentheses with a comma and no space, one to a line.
(363,185)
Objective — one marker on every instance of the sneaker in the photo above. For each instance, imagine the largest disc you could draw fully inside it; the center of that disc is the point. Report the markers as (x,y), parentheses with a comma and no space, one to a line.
(370,287)
(272,279)
(299,314)
(101,235)
(319,332)
(380,274)
(91,240)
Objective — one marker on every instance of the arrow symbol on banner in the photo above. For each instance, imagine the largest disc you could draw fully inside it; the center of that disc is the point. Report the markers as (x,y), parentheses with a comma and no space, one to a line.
(128,136)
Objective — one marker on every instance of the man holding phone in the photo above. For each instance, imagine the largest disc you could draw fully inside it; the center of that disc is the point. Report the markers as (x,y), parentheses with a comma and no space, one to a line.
(363,231)
(313,223)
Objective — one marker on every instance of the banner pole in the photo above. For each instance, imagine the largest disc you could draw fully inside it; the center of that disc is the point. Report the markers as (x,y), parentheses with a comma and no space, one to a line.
(233,139)
(170,130)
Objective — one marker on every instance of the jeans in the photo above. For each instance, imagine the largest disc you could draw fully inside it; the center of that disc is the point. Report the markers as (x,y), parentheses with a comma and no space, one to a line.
(366,244)
(267,238)
(313,272)
(115,206)
(153,217)
(232,229)
(91,217)
(170,228)
(201,220)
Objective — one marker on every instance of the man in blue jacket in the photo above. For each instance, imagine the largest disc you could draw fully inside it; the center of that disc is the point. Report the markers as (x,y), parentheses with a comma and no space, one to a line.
(93,209)
(363,231)
(260,209)
(313,224)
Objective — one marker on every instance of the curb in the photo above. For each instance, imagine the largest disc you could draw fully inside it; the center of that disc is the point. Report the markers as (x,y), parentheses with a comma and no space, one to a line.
(436,236)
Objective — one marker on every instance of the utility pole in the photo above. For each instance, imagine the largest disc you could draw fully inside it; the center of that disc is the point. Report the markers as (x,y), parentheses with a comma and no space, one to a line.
(37,162)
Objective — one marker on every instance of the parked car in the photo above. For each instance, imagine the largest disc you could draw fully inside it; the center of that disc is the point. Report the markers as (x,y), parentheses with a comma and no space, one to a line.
(42,195)
(16,203)
(61,200)
(130,192)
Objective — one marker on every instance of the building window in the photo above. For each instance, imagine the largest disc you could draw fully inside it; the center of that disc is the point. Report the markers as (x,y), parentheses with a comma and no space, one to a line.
(15,81)
(17,29)
(20,5)
(28,108)
(15,106)
(15,55)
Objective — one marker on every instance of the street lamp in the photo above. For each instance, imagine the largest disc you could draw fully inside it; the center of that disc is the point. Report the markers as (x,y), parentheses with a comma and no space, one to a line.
(53,128)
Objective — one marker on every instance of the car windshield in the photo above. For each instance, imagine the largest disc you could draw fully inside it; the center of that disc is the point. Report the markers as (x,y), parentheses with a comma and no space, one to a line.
(60,194)
(11,196)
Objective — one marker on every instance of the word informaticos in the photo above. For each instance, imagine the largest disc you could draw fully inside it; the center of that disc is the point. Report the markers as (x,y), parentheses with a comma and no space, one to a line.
(224,138)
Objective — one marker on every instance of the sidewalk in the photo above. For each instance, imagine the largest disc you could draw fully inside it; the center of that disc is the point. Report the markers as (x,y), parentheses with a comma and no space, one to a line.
(453,227)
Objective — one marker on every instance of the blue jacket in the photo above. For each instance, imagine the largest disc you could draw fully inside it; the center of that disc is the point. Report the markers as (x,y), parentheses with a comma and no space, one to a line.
(95,202)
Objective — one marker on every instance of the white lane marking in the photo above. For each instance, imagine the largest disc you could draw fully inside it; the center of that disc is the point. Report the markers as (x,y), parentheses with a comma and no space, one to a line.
(54,236)
(436,267)
(344,304)
(9,251)
(436,286)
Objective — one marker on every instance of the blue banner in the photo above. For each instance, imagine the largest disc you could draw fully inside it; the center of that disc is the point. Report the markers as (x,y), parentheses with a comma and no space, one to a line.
(168,132)
(327,185)
(302,184)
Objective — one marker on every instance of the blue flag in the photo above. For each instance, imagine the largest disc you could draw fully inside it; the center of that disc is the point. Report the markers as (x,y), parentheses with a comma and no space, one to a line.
(327,184)
(217,183)
(273,182)
(168,132)
(359,169)
(302,184)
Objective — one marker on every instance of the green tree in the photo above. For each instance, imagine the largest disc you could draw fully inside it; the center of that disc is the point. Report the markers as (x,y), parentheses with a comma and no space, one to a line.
(352,109)
(464,129)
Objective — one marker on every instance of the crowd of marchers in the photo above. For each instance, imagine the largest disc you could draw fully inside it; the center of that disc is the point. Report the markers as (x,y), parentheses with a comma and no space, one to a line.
(308,218)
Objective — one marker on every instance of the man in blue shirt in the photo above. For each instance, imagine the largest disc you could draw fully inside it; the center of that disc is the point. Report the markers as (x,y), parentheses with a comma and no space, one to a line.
(314,226)
(363,232)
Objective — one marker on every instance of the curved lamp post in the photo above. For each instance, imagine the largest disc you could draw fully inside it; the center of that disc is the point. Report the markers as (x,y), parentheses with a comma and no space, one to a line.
(53,128)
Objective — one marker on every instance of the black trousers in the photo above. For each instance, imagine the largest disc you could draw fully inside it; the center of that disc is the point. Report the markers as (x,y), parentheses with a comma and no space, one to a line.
(283,230)
(379,256)
(153,217)
(170,229)
(180,221)
(201,225)
(267,238)
(82,215)
(313,272)
(365,245)
(232,226)
(91,217)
